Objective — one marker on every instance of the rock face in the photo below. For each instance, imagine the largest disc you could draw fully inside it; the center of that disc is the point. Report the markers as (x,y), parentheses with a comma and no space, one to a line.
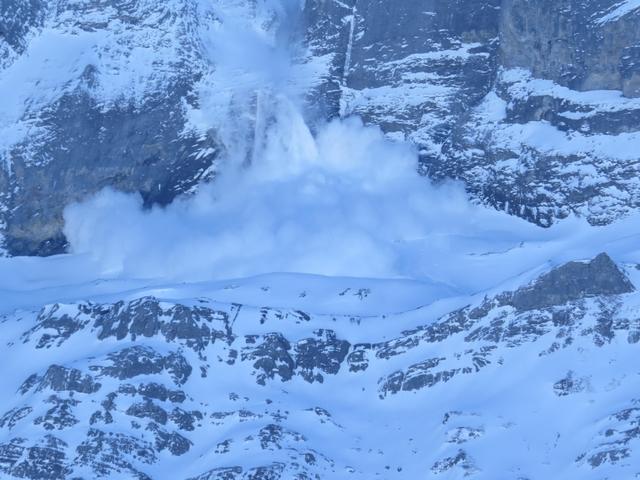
(18,18)
(558,132)
(196,389)
(573,281)
(531,104)
(108,110)
(417,74)
(583,45)
(535,106)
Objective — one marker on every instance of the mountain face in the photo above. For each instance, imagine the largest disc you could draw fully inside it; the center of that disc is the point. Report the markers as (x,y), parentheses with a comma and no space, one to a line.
(219,325)
(193,388)
(94,97)
(525,102)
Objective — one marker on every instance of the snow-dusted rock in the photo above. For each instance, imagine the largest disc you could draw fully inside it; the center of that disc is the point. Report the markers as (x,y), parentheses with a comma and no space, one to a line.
(146,388)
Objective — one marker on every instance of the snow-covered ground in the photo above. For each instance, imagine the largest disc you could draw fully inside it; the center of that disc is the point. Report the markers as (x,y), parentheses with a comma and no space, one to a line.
(310,375)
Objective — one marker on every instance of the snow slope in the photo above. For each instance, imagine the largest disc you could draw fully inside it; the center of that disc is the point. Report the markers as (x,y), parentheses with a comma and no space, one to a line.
(161,384)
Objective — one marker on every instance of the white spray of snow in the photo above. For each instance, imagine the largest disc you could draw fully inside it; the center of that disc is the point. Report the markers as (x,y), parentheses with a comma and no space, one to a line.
(345,202)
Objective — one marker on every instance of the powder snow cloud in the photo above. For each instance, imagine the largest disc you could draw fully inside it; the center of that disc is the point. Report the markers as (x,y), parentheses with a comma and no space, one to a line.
(343,201)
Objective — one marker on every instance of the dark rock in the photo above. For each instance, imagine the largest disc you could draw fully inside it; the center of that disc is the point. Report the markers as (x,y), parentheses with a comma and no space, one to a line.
(269,472)
(13,416)
(82,142)
(273,436)
(573,281)
(148,409)
(64,326)
(61,379)
(532,35)
(107,454)
(325,353)
(358,358)
(134,361)
(185,420)
(464,434)
(175,443)
(613,444)
(460,460)
(425,374)
(160,392)
(271,357)
(225,473)
(44,461)
(570,385)
(60,416)
(192,326)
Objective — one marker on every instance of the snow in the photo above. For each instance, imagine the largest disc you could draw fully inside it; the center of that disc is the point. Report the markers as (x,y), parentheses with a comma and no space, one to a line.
(351,19)
(546,138)
(521,84)
(620,10)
